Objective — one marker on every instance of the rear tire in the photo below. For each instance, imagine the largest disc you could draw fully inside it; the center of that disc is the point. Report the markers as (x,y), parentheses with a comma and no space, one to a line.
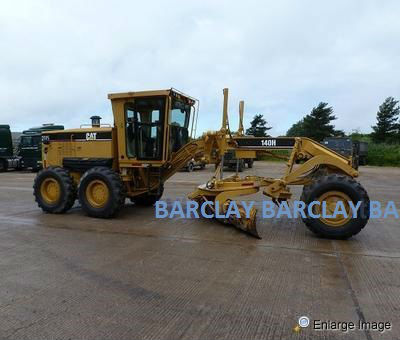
(240,166)
(363,160)
(336,185)
(3,165)
(101,192)
(19,166)
(356,163)
(250,164)
(149,198)
(190,167)
(54,190)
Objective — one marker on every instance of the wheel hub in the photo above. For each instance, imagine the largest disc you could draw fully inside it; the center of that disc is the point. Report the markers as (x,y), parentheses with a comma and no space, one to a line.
(97,193)
(331,198)
(50,190)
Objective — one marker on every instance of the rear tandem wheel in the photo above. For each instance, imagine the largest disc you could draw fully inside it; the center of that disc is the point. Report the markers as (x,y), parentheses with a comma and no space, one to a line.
(54,190)
(101,192)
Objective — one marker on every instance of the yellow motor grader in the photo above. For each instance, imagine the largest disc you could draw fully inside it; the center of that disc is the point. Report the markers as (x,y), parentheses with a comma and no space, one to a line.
(151,140)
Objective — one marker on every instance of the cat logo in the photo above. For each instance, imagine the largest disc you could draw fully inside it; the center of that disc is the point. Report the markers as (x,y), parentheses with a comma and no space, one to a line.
(91,136)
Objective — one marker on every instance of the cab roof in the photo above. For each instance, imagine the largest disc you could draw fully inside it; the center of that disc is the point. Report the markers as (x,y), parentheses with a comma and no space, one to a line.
(139,94)
(174,92)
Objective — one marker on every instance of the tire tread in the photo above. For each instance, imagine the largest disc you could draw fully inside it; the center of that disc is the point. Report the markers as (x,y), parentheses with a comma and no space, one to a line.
(69,188)
(117,191)
(340,179)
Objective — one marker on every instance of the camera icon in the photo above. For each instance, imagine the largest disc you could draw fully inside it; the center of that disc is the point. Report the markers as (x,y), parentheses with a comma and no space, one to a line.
(304,321)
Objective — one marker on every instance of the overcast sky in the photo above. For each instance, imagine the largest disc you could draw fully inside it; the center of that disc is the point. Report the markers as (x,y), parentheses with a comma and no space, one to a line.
(59,60)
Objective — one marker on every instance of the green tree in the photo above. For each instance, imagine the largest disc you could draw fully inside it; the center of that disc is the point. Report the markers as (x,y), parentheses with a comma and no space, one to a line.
(316,125)
(387,125)
(297,129)
(258,127)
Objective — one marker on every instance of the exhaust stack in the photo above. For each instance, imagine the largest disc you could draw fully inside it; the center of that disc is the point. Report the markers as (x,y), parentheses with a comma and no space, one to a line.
(95,121)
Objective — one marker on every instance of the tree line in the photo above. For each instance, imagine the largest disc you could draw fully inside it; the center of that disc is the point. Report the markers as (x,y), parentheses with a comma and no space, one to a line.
(318,124)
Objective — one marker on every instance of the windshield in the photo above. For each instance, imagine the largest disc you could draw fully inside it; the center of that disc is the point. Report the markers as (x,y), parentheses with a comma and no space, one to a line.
(29,141)
(179,117)
(180,113)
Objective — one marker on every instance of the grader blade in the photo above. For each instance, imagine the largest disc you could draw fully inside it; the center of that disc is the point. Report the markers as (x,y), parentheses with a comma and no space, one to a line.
(244,223)
(248,225)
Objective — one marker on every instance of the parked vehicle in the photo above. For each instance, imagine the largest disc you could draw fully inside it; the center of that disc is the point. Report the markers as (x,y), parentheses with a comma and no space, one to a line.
(229,158)
(149,143)
(345,146)
(193,164)
(30,146)
(8,160)
(231,162)
(362,151)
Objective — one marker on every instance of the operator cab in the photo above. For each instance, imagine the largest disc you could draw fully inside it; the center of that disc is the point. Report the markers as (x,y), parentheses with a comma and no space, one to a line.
(156,123)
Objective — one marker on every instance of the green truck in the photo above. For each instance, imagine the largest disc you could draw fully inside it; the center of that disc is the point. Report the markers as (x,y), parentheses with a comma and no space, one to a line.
(8,160)
(233,163)
(30,146)
(348,147)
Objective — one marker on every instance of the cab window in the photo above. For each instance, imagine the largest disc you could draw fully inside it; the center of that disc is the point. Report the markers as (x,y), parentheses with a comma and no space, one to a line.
(144,128)
(179,117)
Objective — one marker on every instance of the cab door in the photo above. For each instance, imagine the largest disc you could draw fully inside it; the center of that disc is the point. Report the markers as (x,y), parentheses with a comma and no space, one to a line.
(144,128)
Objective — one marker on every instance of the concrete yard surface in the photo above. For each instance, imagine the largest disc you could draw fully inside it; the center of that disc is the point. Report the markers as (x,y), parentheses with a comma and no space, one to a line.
(137,277)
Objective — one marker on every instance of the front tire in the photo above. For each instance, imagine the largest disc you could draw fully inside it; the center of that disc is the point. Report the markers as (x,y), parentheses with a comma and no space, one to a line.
(54,190)
(101,192)
(331,189)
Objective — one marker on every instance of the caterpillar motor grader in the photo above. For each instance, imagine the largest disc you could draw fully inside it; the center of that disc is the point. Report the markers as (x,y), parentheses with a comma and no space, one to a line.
(150,141)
